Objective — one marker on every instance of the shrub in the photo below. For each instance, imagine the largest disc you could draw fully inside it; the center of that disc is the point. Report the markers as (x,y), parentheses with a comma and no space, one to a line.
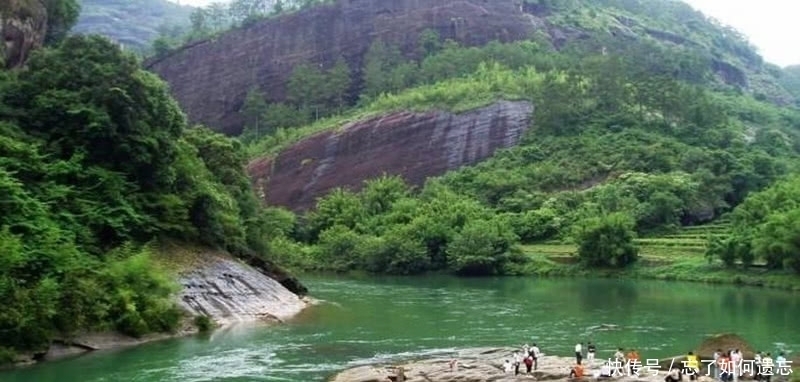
(607,241)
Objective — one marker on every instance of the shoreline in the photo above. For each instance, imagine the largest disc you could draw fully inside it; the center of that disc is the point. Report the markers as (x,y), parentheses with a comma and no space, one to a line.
(88,343)
(489,364)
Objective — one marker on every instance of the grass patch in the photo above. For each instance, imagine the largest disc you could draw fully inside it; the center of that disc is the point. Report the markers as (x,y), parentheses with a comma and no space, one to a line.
(178,257)
(487,85)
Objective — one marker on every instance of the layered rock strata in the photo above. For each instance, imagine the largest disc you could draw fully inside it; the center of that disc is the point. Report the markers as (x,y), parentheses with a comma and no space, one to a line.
(413,145)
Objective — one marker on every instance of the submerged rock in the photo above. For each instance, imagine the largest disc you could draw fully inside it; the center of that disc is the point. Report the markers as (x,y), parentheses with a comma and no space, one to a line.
(229,291)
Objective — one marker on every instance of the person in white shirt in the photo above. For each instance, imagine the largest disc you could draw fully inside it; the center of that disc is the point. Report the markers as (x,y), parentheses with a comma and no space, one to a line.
(578,353)
(736,358)
(517,361)
(619,362)
(535,353)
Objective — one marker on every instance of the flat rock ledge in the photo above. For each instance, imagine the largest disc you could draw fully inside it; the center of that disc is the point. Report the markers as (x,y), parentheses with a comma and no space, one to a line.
(484,365)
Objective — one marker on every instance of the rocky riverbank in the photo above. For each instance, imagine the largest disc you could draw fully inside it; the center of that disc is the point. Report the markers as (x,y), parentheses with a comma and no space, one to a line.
(214,284)
(486,364)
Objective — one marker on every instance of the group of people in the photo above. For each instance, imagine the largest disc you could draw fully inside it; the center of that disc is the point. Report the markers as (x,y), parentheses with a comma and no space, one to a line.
(726,366)
(729,366)
(529,356)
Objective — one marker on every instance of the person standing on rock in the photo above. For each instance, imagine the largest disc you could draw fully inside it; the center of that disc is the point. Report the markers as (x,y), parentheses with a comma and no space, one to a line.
(590,350)
(766,368)
(634,364)
(715,365)
(736,358)
(692,366)
(619,363)
(535,354)
(517,361)
(528,363)
(578,353)
(757,362)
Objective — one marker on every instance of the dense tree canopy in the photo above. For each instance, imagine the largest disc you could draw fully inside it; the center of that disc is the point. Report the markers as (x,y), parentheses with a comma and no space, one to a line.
(95,161)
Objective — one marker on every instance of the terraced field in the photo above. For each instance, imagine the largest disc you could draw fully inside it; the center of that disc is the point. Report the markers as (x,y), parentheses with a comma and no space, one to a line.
(688,241)
(676,256)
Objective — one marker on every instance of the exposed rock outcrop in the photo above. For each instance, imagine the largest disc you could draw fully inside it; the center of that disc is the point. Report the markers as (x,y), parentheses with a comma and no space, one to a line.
(725,342)
(412,145)
(229,291)
(210,78)
(23,25)
(216,285)
(486,364)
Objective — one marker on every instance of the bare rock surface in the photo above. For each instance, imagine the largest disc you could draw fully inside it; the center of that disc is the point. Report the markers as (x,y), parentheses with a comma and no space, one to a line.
(486,364)
(413,145)
(230,291)
(23,25)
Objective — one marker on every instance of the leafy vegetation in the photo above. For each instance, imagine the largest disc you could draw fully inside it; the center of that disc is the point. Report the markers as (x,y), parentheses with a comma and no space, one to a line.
(95,163)
(635,139)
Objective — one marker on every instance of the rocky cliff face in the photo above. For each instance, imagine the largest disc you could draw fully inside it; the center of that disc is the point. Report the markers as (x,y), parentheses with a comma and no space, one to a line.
(23,24)
(413,145)
(210,79)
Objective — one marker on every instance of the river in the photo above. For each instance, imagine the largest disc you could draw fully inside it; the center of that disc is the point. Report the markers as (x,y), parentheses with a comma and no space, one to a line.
(374,319)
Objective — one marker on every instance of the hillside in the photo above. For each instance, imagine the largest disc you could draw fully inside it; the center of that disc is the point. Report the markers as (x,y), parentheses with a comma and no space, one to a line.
(629,137)
(133,23)
(260,56)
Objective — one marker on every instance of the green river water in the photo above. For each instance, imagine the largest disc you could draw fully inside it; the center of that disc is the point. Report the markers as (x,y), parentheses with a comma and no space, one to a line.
(383,319)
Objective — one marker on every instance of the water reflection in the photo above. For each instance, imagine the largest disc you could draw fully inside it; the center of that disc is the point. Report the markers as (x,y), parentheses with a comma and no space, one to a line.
(607,294)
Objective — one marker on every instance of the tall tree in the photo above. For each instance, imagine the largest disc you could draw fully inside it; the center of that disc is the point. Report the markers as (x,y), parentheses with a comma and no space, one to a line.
(304,88)
(380,60)
(61,16)
(337,84)
(253,110)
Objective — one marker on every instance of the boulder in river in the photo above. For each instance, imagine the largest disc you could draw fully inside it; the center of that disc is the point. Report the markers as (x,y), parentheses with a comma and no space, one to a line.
(726,341)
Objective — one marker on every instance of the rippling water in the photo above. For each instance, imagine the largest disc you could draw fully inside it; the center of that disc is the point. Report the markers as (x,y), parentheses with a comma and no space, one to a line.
(376,320)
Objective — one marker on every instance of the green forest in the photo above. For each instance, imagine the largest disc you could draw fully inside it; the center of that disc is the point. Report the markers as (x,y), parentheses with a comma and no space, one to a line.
(97,163)
(633,145)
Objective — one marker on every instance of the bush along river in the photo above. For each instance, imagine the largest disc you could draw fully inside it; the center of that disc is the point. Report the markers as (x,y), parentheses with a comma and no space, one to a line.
(380,320)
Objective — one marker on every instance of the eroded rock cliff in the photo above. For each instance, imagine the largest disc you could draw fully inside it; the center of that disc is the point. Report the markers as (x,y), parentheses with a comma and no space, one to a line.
(413,145)
(229,291)
(211,78)
(23,25)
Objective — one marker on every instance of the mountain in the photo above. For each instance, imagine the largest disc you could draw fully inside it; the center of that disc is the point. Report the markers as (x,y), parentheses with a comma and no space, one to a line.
(644,116)
(265,52)
(133,23)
